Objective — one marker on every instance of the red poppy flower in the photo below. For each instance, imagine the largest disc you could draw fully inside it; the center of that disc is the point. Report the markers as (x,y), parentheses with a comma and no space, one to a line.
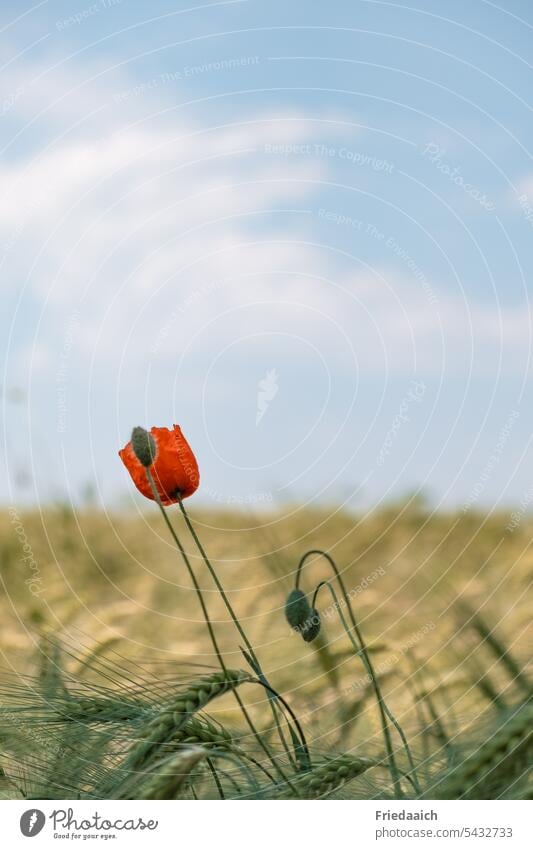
(175,470)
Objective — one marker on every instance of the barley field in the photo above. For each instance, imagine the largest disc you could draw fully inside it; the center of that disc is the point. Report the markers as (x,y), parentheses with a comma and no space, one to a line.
(416,684)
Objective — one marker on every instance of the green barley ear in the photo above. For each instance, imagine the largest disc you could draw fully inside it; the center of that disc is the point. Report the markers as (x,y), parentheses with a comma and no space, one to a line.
(325,778)
(297,610)
(143,445)
(311,627)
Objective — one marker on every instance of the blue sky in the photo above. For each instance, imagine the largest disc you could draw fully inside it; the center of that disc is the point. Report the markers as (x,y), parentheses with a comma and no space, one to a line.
(302,231)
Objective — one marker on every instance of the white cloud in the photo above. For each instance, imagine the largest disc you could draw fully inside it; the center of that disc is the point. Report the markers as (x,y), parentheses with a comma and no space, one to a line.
(162,196)
(164,229)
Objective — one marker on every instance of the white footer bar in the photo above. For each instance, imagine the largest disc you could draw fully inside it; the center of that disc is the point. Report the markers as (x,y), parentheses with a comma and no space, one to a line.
(264,824)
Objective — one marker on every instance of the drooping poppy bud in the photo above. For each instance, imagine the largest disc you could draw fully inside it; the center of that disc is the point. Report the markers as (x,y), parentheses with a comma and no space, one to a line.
(311,627)
(297,609)
(173,466)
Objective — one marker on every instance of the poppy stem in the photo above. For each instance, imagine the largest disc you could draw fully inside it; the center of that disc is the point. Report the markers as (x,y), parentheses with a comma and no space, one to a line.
(189,569)
(236,622)
(217,582)
(385,713)
(207,619)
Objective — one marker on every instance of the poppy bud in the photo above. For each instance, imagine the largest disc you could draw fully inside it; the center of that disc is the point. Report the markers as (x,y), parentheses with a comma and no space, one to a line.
(311,627)
(297,609)
(143,445)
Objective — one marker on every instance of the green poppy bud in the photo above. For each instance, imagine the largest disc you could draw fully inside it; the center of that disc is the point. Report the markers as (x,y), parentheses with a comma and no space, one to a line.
(143,445)
(297,609)
(311,627)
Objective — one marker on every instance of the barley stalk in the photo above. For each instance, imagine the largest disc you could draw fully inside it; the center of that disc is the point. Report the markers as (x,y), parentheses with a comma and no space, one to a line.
(203,732)
(170,722)
(498,648)
(326,777)
(96,709)
(166,779)
(501,760)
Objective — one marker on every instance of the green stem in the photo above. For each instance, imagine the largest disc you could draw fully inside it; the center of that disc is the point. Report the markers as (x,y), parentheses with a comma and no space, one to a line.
(236,622)
(291,713)
(385,713)
(216,580)
(207,619)
(216,778)
(362,653)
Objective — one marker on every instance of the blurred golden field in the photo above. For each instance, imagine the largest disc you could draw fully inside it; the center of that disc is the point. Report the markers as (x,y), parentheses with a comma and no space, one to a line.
(117,583)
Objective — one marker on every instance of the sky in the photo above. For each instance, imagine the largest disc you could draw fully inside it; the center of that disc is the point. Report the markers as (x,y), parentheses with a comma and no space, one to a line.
(302,231)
